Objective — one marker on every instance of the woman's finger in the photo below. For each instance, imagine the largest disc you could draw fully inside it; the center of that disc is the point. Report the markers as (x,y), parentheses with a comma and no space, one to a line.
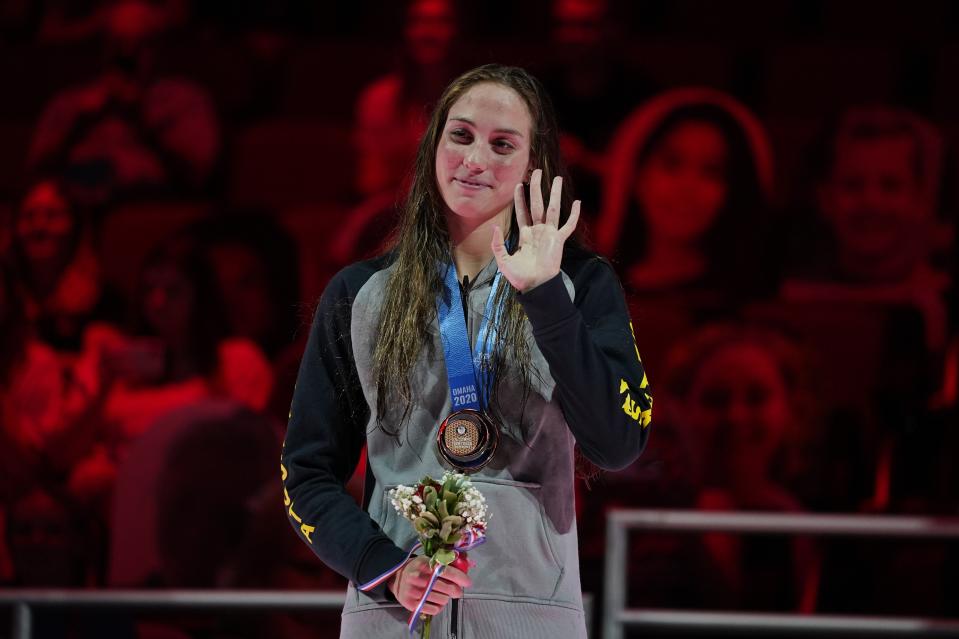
(499,245)
(536,196)
(438,598)
(457,576)
(519,205)
(555,201)
(430,609)
(418,581)
(571,221)
(418,570)
(448,588)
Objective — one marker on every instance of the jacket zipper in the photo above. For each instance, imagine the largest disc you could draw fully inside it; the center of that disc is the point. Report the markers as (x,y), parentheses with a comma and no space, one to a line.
(454,619)
(467,290)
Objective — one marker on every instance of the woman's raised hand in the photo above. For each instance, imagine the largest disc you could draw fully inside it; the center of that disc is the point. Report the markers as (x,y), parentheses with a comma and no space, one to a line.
(540,252)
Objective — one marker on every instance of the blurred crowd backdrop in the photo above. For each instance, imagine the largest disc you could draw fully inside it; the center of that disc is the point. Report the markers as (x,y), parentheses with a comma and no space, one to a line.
(775,183)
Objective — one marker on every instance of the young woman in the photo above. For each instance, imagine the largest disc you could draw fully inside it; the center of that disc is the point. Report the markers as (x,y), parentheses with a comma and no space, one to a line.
(744,396)
(59,276)
(179,351)
(684,201)
(561,352)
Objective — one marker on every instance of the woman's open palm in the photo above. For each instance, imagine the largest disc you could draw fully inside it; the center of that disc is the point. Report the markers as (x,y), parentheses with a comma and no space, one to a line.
(541,239)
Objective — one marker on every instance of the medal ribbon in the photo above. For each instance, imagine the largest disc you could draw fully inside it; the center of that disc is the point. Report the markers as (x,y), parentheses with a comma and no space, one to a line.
(467,388)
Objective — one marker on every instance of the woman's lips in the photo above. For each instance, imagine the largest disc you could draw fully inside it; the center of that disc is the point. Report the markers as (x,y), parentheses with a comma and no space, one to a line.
(468,184)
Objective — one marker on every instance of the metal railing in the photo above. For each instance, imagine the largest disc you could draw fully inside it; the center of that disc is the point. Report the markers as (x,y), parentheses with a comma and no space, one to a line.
(616,616)
(24,601)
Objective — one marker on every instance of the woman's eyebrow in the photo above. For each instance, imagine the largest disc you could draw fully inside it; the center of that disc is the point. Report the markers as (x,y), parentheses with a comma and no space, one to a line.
(471,123)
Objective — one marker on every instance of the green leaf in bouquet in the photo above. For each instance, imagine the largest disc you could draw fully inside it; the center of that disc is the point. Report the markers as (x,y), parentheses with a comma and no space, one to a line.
(446,529)
(424,527)
(459,483)
(444,556)
(433,519)
(441,510)
(429,497)
(450,498)
(450,530)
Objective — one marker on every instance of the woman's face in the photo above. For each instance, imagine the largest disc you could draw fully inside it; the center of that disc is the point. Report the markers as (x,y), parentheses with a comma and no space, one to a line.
(430,28)
(739,404)
(682,185)
(483,152)
(243,281)
(44,224)
(168,301)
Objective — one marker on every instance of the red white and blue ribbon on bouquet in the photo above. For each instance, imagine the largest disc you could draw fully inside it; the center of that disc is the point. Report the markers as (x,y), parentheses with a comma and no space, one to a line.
(471,539)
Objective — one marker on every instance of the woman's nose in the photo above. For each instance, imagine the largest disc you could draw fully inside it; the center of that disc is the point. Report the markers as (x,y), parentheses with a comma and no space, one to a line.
(156,299)
(474,159)
(741,419)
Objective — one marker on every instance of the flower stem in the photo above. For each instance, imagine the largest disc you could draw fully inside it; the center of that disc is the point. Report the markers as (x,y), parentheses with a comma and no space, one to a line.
(425,628)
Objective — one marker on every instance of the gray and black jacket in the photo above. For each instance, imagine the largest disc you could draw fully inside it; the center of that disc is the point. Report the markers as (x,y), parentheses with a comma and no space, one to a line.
(589,389)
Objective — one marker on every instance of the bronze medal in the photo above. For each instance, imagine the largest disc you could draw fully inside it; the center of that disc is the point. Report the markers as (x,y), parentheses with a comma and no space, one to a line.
(467,439)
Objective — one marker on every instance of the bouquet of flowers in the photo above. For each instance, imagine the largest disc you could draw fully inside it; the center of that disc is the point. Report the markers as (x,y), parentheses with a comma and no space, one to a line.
(449,517)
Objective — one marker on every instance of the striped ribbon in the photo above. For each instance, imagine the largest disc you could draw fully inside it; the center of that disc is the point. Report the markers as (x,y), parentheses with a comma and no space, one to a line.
(470,540)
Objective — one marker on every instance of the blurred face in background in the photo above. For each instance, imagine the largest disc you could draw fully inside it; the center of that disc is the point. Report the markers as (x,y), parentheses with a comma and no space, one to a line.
(168,302)
(873,202)
(578,23)
(45,224)
(484,151)
(42,539)
(430,28)
(739,406)
(243,282)
(682,186)
(130,29)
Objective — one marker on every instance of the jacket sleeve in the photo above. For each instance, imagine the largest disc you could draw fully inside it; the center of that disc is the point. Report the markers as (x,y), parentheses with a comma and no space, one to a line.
(592,355)
(324,437)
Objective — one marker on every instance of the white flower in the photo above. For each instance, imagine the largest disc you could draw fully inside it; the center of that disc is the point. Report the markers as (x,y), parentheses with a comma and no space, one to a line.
(402,498)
